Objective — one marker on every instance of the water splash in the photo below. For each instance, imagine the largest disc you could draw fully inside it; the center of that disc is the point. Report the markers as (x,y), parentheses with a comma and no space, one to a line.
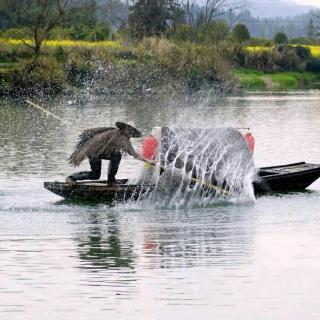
(199,167)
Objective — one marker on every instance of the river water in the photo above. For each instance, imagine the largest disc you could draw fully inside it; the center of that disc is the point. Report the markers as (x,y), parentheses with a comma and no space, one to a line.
(257,260)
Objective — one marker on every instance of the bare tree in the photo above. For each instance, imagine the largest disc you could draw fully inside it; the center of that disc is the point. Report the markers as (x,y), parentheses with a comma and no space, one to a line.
(115,10)
(317,22)
(40,16)
(209,9)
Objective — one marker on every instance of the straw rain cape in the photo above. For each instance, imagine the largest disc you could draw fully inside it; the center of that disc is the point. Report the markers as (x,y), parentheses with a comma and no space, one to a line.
(100,143)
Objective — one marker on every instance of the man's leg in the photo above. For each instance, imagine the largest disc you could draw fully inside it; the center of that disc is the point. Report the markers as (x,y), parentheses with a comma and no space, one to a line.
(94,174)
(115,159)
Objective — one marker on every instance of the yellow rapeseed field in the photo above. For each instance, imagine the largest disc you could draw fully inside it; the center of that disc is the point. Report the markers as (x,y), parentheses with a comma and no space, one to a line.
(66,43)
(257,48)
(315,50)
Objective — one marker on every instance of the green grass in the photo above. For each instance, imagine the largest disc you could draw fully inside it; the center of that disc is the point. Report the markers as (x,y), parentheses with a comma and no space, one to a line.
(255,80)
(249,79)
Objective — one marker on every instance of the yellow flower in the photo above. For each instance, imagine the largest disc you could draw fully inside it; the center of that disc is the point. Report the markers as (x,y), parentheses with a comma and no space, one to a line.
(66,43)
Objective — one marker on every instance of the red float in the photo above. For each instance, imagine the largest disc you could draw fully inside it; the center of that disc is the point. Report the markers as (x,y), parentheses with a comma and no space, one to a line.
(250,141)
(150,148)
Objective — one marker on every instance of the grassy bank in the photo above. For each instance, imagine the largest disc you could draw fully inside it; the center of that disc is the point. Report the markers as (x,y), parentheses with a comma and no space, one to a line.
(153,65)
(256,80)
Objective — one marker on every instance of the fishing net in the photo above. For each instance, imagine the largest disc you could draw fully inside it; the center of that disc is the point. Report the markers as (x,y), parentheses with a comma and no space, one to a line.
(197,165)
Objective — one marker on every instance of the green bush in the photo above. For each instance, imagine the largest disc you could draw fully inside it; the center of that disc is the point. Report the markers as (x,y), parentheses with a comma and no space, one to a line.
(5,80)
(15,33)
(79,32)
(260,42)
(183,32)
(188,56)
(60,55)
(82,32)
(241,32)
(42,76)
(80,66)
(213,32)
(280,58)
(239,56)
(280,38)
(285,58)
(300,41)
(99,33)
(303,53)
(313,65)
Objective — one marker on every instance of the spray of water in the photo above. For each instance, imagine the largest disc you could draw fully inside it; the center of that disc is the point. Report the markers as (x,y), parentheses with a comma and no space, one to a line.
(199,167)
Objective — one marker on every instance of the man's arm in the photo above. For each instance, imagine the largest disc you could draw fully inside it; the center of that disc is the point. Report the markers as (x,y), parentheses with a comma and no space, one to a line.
(127,147)
(130,150)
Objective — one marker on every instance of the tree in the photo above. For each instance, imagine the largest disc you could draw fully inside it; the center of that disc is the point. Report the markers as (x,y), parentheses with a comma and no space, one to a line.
(4,17)
(280,38)
(312,31)
(213,32)
(116,15)
(317,18)
(41,16)
(210,10)
(153,17)
(84,14)
(241,32)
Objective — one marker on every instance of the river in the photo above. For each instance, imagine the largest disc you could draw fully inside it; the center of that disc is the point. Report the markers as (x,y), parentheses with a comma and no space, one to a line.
(257,260)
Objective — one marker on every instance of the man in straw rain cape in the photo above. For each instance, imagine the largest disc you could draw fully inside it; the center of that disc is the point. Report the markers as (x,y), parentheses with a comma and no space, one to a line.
(104,143)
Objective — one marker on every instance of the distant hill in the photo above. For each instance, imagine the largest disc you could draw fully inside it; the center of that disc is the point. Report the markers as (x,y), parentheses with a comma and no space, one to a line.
(277,8)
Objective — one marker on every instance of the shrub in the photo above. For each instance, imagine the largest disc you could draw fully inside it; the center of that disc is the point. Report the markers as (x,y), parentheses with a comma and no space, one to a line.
(60,54)
(5,79)
(190,58)
(80,65)
(280,38)
(79,32)
(213,32)
(303,52)
(239,56)
(99,33)
(260,42)
(183,32)
(241,32)
(44,75)
(299,41)
(15,33)
(313,65)
(280,58)
(286,59)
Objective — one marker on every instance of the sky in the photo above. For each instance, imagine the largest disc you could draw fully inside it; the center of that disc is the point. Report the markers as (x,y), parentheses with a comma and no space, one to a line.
(309,2)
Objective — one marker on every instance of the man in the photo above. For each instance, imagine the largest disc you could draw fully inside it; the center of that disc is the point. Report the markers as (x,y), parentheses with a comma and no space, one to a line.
(99,144)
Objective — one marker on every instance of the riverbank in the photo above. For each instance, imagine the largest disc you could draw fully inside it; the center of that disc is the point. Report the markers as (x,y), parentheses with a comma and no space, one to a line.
(151,66)
(257,80)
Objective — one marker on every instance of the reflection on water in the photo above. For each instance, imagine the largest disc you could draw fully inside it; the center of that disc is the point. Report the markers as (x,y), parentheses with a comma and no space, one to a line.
(224,261)
(102,247)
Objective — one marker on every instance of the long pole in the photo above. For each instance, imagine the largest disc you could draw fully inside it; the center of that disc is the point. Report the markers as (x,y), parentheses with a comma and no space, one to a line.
(205,183)
(32,104)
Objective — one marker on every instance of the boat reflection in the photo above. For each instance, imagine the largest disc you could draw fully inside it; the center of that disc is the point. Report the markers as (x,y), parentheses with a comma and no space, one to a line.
(216,236)
(101,248)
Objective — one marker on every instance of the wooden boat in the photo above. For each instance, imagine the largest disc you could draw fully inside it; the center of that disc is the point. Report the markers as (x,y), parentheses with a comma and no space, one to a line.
(290,177)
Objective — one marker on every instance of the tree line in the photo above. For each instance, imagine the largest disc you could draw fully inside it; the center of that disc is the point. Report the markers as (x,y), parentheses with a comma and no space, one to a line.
(135,19)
